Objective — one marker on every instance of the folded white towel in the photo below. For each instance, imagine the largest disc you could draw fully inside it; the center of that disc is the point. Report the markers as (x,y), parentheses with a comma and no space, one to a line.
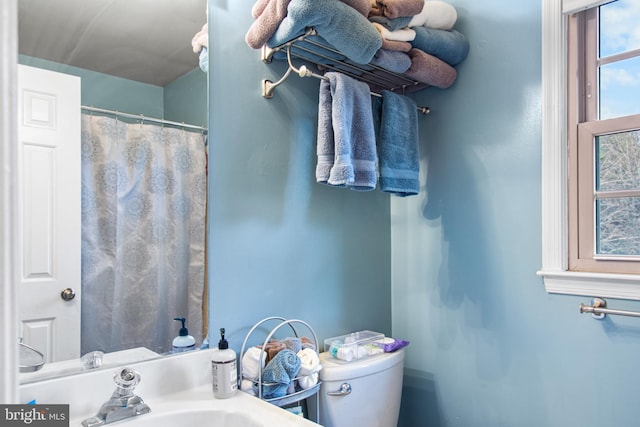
(435,14)
(309,368)
(247,387)
(307,382)
(309,362)
(252,361)
(400,35)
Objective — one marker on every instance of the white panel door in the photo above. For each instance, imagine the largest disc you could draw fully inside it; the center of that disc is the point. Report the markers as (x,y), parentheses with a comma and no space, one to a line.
(49,211)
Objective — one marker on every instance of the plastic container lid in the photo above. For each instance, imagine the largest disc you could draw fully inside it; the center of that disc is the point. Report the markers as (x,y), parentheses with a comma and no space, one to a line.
(336,370)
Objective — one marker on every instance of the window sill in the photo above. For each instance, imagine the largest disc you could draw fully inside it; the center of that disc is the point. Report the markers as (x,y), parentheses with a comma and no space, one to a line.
(622,286)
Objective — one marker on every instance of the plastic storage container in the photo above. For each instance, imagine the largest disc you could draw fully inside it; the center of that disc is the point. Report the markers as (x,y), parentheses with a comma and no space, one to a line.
(354,346)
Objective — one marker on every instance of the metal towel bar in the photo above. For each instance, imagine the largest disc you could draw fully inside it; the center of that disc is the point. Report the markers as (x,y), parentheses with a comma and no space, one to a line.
(599,311)
(327,57)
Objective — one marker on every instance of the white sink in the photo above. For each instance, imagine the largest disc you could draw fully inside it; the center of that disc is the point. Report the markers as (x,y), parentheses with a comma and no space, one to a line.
(201,417)
(199,407)
(177,389)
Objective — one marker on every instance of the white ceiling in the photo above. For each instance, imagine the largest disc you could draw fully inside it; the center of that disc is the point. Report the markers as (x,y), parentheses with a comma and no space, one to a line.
(142,40)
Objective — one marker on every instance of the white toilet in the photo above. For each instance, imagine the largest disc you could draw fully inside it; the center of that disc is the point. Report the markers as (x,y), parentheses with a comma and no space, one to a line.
(364,392)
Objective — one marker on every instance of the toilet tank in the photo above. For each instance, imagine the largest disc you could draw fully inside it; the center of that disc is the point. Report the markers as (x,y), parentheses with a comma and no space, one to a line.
(364,392)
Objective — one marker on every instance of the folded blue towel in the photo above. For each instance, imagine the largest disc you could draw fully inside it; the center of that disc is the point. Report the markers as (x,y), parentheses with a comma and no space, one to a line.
(391,24)
(392,60)
(339,24)
(451,46)
(279,373)
(346,144)
(399,160)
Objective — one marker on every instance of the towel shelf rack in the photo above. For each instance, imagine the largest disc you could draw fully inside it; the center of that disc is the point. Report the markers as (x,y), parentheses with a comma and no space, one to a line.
(296,396)
(311,50)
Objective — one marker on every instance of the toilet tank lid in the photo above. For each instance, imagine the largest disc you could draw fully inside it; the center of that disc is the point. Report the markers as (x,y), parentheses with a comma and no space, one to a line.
(337,370)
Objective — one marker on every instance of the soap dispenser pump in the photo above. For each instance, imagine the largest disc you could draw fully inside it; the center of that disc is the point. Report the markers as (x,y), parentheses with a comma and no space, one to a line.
(223,366)
(184,341)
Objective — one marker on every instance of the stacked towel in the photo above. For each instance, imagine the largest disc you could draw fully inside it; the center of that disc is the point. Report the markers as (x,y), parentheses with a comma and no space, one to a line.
(272,348)
(268,16)
(201,39)
(279,374)
(435,14)
(396,45)
(293,343)
(253,361)
(362,6)
(346,145)
(398,144)
(435,46)
(307,343)
(339,24)
(396,8)
(449,46)
(309,368)
(200,45)
(430,70)
(259,7)
(391,24)
(401,34)
(392,60)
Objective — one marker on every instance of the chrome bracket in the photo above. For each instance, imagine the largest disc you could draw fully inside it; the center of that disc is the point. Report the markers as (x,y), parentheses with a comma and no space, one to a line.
(596,303)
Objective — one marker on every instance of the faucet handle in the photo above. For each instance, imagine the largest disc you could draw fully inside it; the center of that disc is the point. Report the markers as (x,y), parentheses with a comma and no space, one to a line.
(92,360)
(126,379)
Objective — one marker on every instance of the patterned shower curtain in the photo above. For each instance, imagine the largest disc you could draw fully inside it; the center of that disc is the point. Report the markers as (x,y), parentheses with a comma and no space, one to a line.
(143,234)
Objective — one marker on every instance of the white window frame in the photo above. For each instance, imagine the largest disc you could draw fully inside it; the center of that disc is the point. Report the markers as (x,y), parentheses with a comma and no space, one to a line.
(554,270)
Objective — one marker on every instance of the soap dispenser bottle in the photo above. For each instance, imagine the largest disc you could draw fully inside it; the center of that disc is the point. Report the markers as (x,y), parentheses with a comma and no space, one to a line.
(184,341)
(223,366)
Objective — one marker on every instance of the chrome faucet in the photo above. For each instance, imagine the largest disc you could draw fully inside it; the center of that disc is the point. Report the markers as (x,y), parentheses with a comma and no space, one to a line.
(123,403)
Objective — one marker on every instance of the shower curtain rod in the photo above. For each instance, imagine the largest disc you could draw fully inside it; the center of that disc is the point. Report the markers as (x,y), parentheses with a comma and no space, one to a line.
(143,118)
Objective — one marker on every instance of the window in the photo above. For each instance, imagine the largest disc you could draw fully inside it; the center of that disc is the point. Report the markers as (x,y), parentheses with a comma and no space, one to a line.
(591,148)
(603,139)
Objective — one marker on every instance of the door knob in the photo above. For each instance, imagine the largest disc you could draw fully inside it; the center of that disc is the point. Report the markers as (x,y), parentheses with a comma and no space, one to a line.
(67,294)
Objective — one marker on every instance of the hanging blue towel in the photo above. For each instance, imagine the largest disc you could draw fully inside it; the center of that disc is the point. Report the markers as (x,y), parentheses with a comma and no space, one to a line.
(339,24)
(346,144)
(279,373)
(399,160)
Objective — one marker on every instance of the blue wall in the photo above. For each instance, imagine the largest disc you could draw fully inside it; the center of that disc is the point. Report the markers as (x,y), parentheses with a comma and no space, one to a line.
(489,347)
(183,100)
(280,244)
(109,92)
